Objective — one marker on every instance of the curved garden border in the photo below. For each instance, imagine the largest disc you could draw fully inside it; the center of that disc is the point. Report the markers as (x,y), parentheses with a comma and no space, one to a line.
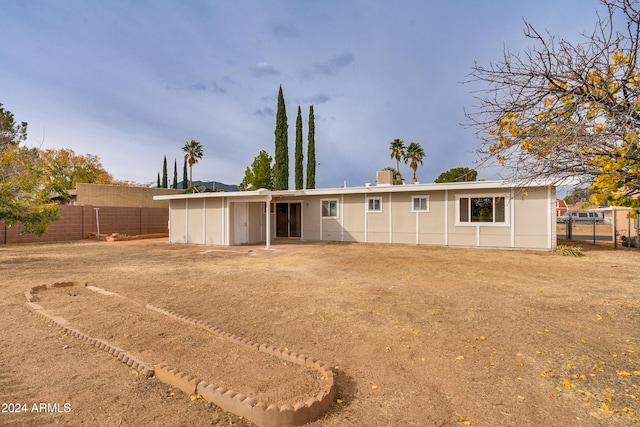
(229,400)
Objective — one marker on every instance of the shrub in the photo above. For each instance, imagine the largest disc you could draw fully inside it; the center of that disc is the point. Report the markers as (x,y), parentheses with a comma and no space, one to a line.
(568,250)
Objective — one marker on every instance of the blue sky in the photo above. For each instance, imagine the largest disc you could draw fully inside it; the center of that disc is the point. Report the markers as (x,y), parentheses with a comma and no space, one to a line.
(132,81)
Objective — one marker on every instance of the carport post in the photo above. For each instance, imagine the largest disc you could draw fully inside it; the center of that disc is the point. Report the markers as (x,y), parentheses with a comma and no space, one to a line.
(615,228)
(267,213)
(97,222)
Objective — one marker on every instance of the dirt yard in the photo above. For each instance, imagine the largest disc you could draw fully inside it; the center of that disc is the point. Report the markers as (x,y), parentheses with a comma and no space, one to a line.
(416,336)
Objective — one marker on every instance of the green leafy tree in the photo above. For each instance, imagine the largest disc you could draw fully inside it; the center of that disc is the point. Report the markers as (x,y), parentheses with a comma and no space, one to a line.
(66,169)
(260,174)
(12,133)
(564,109)
(193,153)
(185,178)
(164,173)
(397,149)
(311,151)
(175,174)
(414,155)
(299,155)
(25,191)
(25,186)
(578,195)
(459,174)
(281,167)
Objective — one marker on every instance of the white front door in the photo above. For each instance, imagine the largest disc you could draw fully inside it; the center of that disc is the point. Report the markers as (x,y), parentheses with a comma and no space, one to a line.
(240,223)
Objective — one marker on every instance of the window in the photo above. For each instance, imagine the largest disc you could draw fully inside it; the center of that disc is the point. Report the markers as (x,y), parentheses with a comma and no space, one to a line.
(420,204)
(482,209)
(329,208)
(374,205)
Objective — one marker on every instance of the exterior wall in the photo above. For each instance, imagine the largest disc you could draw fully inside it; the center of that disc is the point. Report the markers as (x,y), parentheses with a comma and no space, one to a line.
(195,221)
(238,223)
(78,222)
(214,221)
(311,218)
(529,219)
(431,225)
(403,221)
(117,195)
(351,211)
(377,223)
(257,231)
(178,221)
(533,213)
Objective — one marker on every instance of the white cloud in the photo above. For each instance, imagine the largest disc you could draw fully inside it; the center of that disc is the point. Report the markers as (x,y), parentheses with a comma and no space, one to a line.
(263,69)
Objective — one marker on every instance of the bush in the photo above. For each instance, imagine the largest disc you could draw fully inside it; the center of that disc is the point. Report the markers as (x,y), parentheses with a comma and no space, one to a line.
(633,242)
(568,250)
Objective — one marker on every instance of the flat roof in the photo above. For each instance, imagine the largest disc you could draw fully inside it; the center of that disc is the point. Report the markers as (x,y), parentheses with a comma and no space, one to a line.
(265,195)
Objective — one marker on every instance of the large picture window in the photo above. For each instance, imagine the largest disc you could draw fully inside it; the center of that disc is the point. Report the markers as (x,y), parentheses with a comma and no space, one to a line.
(482,209)
(329,208)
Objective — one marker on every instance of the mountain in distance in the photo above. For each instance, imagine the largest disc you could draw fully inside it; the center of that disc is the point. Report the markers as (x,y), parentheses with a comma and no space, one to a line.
(219,186)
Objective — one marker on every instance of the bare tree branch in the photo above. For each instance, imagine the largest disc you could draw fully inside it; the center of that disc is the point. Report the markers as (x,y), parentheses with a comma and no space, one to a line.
(567,110)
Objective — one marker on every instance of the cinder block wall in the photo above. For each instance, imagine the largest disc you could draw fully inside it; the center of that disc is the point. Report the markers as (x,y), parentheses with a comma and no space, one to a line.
(117,195)
(78,222)
(68,227)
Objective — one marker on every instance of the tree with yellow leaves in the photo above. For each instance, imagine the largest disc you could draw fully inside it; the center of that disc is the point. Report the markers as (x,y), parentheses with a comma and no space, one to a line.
(24,184)
(568,110)
(65,169)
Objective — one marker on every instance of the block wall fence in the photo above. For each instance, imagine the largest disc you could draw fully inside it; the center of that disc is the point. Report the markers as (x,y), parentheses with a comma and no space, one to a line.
(78,222)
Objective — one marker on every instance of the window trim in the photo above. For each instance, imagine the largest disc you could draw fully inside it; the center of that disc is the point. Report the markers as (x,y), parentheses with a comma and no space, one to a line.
(413,203)
(337,215)
(507,210)
(369,199)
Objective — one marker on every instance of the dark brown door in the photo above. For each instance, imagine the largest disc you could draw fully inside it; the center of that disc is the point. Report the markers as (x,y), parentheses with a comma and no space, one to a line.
(282,219)
(295,223)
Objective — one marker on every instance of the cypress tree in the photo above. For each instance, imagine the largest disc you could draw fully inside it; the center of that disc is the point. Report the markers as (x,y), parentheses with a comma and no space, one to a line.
(158,179)
(281,167)
(175,174)
(185,177)
(164,173)
(299,155)
(311,151)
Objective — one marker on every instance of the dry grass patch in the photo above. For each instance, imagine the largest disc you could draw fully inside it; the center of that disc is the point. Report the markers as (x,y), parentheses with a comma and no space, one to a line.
(416,335)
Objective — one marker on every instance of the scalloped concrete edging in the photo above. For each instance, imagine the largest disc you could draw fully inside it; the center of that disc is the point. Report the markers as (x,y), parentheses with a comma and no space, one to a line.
(241,405)
(265,415)
(62,324)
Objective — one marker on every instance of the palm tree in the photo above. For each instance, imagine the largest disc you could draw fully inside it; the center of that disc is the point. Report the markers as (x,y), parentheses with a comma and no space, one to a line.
(415,154)
(397,152)
(193,153)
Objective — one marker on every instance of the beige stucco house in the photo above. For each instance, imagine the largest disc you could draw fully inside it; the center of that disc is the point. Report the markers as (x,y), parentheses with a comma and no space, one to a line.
(479,214)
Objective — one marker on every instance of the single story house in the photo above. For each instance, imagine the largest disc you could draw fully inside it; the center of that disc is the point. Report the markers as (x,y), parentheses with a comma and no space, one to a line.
(493,214)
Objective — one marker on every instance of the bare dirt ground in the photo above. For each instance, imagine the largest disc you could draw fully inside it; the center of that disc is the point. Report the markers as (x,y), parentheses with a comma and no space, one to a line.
(417,336)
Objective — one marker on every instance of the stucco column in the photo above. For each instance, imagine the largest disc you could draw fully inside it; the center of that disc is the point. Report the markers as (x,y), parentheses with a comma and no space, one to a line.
(268,220)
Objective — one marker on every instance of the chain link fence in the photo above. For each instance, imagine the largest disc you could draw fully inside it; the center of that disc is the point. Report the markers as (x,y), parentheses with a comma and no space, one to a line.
(615,227)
